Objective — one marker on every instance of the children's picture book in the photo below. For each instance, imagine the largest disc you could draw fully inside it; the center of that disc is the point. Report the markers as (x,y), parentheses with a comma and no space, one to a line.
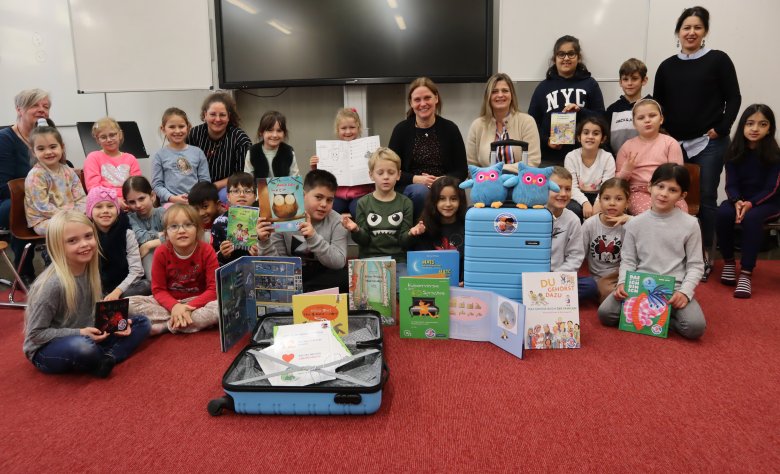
(424,307)
(431,262)
(647,309)
(111,316)
(552,313)
(372,286)
(281,202)
(562,128)
(477,315)
(348,161)
(241,226)
(309,308)
(251,287)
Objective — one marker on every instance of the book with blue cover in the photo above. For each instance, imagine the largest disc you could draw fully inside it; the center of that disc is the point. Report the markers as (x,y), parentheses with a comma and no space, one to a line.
(281,202)
(434,262)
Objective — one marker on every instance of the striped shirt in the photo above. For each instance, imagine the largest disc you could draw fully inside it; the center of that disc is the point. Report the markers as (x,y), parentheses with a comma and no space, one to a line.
(226,155)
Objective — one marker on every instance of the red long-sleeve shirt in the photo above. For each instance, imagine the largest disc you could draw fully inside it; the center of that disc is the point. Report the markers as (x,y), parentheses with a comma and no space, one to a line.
(175,279)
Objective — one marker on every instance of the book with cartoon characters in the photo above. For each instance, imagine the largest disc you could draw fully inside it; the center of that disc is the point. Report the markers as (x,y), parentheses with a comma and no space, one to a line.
(372,286)
(552,311)
(424,307)
(430,262)
(308,308)
(281,202)
(647,309)
(111,316)
(241,227)
(477,315)
(562,128)
(348,161)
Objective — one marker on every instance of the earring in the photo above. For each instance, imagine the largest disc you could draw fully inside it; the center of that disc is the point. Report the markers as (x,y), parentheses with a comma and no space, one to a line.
(678,43)
(703,41)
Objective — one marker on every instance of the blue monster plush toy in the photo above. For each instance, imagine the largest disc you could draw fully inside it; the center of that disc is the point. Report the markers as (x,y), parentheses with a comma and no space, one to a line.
(531,186)
(488,185)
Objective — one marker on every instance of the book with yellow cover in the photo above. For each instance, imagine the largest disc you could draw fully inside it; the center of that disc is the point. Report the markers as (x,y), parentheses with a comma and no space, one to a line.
(333,308)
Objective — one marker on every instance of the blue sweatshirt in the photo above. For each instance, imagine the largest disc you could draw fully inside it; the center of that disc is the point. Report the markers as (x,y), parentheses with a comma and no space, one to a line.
(749,180)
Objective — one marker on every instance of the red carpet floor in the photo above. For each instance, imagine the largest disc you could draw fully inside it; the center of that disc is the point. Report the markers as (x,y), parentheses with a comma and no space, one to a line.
(623,402)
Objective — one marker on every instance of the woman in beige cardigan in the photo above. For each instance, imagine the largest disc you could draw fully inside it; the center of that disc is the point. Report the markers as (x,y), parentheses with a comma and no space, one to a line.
(499,107)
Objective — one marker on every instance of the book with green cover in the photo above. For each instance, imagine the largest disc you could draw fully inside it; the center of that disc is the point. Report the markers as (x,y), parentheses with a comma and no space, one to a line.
(647,309)
(424,307)
(241,227)
(372,286)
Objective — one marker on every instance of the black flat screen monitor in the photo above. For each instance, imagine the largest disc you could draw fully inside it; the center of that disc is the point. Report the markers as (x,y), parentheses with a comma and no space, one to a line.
(279,43)
(133,144)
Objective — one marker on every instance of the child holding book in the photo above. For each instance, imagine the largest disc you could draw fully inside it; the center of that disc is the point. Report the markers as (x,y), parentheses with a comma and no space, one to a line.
(384,217)
(204,198)
(589,165)
(640,156)
(121,272)
(633,76)
(59,325)
(664,241)
(145,219)
(271,156)
(51,185)
(752,180)
(603,235)
(184,296)
(321,240)
(109,167)
(177,167)
(348,128)
(567,252)
(242,191)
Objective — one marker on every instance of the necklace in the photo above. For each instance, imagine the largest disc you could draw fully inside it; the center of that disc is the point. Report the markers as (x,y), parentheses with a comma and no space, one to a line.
(423,128)
(18,133)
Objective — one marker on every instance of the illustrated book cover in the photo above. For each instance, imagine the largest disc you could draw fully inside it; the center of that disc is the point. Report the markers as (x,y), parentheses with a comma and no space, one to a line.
(281,202)
(348,161)
(372,286)
(647,309)
(424,307)
(477,315)
(562,128)
(309,308)
(431,262)
(241,229)
(111,316)
(552,313)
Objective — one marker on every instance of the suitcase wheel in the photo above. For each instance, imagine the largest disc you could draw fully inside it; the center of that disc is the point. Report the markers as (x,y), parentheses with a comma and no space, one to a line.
(217,405)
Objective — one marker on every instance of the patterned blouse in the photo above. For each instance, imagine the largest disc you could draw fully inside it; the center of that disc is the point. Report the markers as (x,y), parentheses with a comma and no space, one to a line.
(46,192)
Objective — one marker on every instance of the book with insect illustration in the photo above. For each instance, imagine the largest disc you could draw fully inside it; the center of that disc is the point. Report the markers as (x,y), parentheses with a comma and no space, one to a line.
(647,309)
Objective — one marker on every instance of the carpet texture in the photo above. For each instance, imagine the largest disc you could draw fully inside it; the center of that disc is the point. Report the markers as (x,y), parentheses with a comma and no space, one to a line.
(623,402)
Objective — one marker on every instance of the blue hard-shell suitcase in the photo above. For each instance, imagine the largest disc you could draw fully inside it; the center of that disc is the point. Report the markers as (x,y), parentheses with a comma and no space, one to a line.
(245,395)
(503,243)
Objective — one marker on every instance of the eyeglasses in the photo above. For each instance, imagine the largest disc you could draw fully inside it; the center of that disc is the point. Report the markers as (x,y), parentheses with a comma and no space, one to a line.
(110,136)
(566,54)
(241,191)
(177,227)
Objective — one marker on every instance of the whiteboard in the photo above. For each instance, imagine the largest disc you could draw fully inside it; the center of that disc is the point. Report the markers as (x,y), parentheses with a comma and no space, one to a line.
(141,45)
(35,52)
(610,31)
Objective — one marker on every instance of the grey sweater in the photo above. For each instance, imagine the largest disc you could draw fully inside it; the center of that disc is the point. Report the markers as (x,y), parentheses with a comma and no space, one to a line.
(567,251)
(46,314)
(664,244)
(329,244)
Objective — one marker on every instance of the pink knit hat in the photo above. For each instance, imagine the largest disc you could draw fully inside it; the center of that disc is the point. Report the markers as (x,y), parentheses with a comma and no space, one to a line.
(100,194)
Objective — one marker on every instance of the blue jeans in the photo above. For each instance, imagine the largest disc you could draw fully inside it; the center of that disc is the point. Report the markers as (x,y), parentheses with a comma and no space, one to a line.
(710,160)
(752,231)
(587,289)
(342,205)
(17,245)
(82,354)
(417,193)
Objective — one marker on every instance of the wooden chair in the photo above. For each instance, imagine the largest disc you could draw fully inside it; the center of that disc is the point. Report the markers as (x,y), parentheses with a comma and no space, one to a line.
(693,199)
(80,174)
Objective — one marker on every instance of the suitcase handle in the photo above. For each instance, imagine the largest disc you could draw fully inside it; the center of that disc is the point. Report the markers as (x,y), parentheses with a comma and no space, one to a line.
(385,372)
(509,142)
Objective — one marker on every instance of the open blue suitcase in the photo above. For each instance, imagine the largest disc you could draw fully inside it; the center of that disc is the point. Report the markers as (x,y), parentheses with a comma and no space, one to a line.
(248,392)
(503,243)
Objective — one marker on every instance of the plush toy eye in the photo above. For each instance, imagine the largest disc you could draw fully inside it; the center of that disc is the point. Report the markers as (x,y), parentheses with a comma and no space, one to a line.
(278,199)
(528,178)
(289,199)
(493,176)
(373,219)
(540,179)
(395,218)
(480,177)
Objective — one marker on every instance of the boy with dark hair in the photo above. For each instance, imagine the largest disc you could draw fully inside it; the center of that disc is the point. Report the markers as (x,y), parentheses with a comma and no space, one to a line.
(321,241)
(204,197)
(633,76)
(241,191)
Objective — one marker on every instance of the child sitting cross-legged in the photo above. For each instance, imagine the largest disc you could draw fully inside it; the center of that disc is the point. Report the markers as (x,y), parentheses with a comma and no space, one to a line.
(321,241)
(241,191)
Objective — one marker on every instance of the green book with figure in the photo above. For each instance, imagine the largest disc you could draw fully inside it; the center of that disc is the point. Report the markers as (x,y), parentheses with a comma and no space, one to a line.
(647,309)
(241,227)
(424,307)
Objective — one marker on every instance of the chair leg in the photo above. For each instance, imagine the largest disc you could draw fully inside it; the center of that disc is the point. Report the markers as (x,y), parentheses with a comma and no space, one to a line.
(17,280)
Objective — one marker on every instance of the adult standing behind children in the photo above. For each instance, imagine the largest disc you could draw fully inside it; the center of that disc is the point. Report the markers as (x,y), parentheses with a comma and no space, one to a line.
(500,119)
(699,92)
(568,87)
(31,105)
(220,138)
(429,145)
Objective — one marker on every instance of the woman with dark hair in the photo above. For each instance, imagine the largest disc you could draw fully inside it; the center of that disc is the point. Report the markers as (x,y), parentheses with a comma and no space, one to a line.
(222,141)
(429,145)
(31,106)
(699,92)
(568,87)
(500,119)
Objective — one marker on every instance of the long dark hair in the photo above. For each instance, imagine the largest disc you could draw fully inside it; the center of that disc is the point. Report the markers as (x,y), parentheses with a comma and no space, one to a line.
(767,149)
(430,215)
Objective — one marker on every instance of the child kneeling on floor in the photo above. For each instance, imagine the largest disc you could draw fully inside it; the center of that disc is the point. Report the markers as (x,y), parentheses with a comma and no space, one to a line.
(60,333)
(184,296)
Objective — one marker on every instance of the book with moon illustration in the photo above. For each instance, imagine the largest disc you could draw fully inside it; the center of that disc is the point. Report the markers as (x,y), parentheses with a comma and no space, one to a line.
(477,315)
(281,202)
(647,309)
(552,310)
